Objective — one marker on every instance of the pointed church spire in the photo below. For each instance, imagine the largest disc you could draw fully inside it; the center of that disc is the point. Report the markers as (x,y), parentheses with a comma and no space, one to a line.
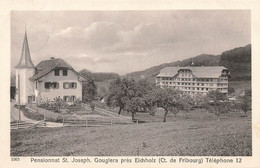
(25,60)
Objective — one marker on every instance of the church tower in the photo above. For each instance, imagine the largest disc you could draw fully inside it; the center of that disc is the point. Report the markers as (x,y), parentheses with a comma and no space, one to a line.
(24,70)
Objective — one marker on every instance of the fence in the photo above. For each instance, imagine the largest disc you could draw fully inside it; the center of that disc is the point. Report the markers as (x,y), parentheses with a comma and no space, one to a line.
(92,122)
(27,124)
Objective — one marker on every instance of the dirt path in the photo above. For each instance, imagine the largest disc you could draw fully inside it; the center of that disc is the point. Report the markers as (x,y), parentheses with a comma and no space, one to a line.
(15,114)
(15,117)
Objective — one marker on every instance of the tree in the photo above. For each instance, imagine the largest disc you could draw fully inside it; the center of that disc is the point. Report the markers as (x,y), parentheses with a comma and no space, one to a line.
(119,93)
(89,91)
(187,102)
(217,103)
(200,102)
(166,98)
(231,90)
(246,101)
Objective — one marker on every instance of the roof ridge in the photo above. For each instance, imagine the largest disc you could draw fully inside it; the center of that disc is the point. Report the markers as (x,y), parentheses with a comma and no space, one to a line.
(51,59)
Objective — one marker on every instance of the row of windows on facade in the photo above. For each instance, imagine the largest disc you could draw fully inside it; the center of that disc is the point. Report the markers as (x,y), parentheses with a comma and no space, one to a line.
(65,98)
(189,79)
(189,88)
(55,85)
(64,72)
(69,98)
(198,84)
(189,75)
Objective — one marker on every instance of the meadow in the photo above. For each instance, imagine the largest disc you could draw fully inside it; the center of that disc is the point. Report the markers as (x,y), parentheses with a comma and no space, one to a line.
(195,134)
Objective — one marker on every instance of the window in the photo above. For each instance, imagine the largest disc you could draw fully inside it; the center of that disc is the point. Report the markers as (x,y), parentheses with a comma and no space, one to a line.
(55,85)
(66,98)
(57,72)
(74,85)
(65,72)
(51,85)
(68,85)
(72,98)
(47,85)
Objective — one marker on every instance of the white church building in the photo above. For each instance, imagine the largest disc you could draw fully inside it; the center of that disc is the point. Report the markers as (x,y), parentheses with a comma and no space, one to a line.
(50,79)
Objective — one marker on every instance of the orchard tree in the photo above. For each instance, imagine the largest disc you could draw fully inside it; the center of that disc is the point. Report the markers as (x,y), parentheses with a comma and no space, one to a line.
(143,88)
(89,92)
(119,93)
(187,102)
(166,98)
(200,101)
(218,103)
(246,101)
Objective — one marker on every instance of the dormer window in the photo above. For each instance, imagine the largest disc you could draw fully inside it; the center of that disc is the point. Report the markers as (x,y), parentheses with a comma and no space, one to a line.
(65,72)
(57,72)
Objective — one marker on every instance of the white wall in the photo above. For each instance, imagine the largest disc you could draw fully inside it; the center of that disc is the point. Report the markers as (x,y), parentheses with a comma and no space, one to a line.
(26,86)
(50,94)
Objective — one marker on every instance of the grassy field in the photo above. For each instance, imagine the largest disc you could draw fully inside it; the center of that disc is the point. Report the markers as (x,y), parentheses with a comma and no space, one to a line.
(197,134)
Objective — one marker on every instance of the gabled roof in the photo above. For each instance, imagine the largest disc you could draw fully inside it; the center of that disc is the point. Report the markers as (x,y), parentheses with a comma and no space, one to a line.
(25,60)
(46,66)
(199,72)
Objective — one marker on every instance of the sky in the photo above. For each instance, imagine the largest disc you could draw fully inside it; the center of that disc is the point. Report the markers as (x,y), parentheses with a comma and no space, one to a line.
(127,41)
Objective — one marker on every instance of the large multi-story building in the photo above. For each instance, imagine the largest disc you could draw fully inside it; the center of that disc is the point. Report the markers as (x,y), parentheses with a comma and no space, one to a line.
(194,79)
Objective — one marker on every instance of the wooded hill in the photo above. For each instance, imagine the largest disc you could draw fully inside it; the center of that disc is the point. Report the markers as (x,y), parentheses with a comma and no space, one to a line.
(98,76)
(237,60)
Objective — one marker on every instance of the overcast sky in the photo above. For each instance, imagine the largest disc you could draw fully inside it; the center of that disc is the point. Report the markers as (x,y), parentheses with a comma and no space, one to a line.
(127,41)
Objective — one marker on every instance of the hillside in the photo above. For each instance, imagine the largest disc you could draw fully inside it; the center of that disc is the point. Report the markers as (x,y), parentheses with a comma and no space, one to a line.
(237,60)
(98,76)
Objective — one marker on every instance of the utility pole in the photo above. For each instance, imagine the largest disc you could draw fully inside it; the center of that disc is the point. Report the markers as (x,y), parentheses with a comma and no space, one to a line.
(19,98)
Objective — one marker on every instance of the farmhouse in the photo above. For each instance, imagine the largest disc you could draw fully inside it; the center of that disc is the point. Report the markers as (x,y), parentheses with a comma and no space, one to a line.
(194,79)
(50,79)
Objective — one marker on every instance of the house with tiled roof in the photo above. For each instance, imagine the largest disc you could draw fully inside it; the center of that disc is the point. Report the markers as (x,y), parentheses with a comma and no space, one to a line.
(50,79)
(194,79)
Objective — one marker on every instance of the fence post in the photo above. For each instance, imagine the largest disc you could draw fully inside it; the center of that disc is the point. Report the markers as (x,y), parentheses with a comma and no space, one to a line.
(136,121)
(17,125)
(111,121)
(63,122)
(86,122)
